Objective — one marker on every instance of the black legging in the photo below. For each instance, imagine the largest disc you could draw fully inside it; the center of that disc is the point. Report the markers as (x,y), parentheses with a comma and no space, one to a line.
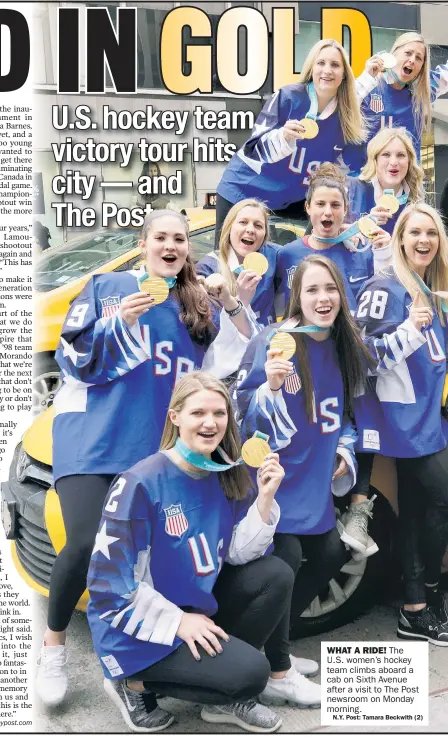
(325,555)
(82,498)
(253,607)
(296,210)
(422,521)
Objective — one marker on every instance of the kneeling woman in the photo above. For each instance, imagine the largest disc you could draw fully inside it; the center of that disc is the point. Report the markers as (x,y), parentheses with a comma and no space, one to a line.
(162,603)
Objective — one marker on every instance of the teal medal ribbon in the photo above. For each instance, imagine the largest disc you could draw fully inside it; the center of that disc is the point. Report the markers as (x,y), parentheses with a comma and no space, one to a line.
(238,270)
(299,329)
(395,78)
(424,287)
(402,199)
(353,230)
(312,94)
(206,464)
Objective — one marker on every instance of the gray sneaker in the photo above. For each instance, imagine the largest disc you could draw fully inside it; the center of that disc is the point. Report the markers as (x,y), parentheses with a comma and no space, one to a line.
(136,708)
(249,715)
(354,525)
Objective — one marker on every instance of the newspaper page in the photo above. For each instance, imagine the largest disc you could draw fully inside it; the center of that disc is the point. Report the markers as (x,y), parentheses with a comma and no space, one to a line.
(109,112)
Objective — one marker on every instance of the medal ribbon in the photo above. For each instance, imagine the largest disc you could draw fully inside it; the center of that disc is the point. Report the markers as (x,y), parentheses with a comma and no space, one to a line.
(206,464)
(300,329)
(424,287)
(395,78)
(170,280)
(312,112)
(402,199)
(353,230)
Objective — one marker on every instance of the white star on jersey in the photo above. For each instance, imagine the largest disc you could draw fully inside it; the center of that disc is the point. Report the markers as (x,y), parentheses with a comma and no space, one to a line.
(69,350)
(102,542)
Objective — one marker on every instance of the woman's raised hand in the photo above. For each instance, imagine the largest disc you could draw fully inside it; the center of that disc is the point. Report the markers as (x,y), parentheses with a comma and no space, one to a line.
(277,368)
(420,314)
(246,285)
(135,305)
(374,65)
(270,475)
(292,131)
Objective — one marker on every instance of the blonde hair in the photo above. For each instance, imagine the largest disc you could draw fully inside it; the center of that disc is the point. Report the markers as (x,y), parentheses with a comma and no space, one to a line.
(224,240)
(414,175)
(235,481)
(350,116)
(436,276)
(421,87)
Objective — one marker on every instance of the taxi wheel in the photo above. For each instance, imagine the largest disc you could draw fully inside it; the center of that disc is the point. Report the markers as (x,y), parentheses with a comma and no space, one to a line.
(357,586)
(46,381)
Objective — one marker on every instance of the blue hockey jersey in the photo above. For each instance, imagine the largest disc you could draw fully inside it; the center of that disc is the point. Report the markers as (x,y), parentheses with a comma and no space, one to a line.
(161,543)
(355,268)
(403,418)
(269,168)
(117,381)
(307,450)
(362,198)
(263,301)
(383,105)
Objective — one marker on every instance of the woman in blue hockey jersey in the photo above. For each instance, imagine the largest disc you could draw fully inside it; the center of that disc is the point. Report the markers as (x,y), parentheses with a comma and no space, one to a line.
(401,96)
(120,355)
(302,404)
(275,164)
(163,595)
(391,168)
(327,206)
(245,230)
(403,419)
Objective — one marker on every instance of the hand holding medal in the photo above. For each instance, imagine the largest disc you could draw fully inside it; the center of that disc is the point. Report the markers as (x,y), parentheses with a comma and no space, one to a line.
(155,286)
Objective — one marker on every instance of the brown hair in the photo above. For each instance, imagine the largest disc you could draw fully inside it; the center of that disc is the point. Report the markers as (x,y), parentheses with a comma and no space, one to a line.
(195,310)
(353,357)
(349,112)
(235,481)
(328,175)
(224,240)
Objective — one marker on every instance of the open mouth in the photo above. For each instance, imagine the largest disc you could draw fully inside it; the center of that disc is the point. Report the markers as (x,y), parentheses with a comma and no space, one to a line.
(248,241)
(323,311)
(423,250)
(207,435)
(169,259)
(393,172)
(407,71)
(327,224)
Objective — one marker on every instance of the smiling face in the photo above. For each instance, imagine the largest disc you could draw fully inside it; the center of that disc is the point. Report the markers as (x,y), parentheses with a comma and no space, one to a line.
(320,300)
(410,59)
(392,164)
(248,231)
(202,421)
(326,211)
(420,242)
(328,71)
(166,246)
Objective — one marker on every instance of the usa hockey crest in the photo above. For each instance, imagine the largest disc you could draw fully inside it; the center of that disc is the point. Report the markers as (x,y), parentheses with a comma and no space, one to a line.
(109,306)
(176,522)
(376,103)
(292,383)
(290,272)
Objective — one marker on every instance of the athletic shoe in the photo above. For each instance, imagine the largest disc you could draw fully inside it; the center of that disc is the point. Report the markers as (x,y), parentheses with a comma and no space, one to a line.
(249,715)
(304,666)
(293,689)
(354,525)
(51,679)
(436,600)
(371,549)
(425,626)
(137,709)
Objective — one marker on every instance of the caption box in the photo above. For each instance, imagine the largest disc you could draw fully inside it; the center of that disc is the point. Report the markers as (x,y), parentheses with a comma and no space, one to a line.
(374,684)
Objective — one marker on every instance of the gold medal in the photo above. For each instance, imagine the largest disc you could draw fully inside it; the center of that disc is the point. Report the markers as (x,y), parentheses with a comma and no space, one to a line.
(366,226)
(311,127)
(388,60)
(254,451)
(156,287)
(256,262)
(389,202)
(285,342)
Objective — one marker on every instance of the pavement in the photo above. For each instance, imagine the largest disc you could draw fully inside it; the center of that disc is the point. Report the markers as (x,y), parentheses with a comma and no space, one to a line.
(88,710)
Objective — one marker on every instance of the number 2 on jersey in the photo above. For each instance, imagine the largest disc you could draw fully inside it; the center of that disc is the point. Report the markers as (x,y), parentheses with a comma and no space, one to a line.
(373,304)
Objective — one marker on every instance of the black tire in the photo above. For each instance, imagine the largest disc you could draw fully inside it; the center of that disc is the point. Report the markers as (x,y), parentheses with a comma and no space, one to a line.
(46,381)
(379,570)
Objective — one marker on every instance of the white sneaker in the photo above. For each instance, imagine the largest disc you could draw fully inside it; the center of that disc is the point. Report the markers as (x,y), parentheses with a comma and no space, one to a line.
(52,680)
(293,689)
(304,666)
